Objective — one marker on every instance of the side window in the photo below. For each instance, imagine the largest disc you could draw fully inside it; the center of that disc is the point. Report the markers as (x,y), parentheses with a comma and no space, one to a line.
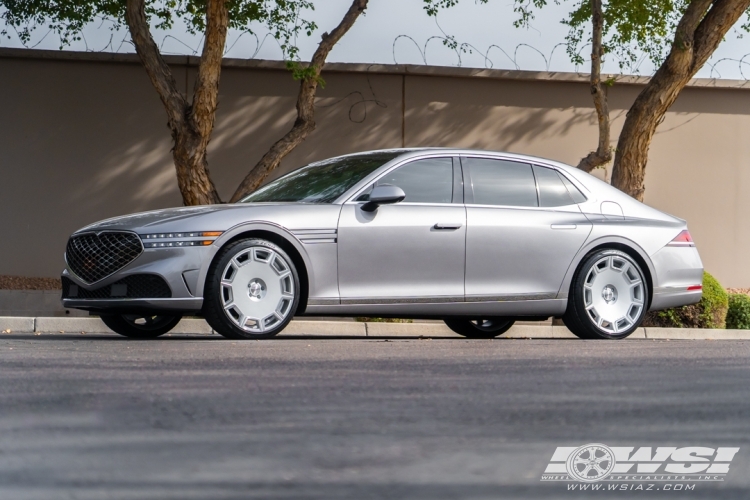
(575,193)
(424,181)
(500,182)
(552,191)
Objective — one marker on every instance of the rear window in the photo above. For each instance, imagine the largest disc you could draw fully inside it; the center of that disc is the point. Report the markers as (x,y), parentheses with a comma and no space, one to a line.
(552,189)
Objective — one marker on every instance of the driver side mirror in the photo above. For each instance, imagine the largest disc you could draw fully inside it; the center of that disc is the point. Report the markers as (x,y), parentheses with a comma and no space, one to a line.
(383,195)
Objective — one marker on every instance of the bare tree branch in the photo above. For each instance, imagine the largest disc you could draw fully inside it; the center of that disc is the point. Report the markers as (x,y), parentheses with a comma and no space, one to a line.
(190,126)
(603,153)
(305,122)
(698,34)
(206,93)
(158,70)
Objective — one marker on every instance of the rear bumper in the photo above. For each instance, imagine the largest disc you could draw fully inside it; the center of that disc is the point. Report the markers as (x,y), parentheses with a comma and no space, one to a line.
(677,269)
(665,298)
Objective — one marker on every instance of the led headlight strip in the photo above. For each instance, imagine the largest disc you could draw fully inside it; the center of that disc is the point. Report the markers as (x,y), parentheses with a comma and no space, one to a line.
(171,240)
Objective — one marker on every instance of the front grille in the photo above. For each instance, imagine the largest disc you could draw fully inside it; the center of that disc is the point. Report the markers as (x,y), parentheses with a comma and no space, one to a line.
(93,257)
(135,286)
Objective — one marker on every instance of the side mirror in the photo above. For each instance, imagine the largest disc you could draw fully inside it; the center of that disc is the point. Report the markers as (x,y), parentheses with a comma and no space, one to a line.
(383,195)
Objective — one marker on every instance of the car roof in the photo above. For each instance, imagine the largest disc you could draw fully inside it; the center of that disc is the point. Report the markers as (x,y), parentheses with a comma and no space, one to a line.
(417,152)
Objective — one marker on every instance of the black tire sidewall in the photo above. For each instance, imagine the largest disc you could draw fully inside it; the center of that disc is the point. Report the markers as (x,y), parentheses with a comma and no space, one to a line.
(212,306)
(118,324)
(465,328)
(577,319)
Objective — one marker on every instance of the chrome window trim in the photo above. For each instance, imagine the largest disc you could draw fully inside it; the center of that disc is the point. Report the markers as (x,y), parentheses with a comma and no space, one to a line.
(469,186)
(359,188)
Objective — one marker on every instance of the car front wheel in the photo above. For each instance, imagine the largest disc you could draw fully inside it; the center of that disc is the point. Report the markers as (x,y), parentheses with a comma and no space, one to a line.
(608,297)
(252,290)
(482,328)
(140,326)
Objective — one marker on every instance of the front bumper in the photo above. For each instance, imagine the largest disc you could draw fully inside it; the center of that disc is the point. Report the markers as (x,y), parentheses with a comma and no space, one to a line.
(178,267)
(125,306)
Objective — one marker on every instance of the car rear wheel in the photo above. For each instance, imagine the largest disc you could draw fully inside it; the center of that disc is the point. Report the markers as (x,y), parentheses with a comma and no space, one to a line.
(252,290)
(481,328)
(608,297)
(140,326)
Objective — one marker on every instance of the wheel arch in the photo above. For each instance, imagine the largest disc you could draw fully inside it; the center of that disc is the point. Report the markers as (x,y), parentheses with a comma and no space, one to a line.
(627,246)
(276,235)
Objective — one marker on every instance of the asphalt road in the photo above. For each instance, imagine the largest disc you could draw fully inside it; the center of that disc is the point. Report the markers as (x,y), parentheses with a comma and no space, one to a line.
(96,417)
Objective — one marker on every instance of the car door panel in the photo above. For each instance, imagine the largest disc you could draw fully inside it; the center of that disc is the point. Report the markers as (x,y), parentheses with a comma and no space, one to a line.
(521,253)
(397,254)
(413,251)
(516,250)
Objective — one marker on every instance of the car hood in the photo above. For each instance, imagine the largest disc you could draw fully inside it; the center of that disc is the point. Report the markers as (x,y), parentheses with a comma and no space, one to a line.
(292,216)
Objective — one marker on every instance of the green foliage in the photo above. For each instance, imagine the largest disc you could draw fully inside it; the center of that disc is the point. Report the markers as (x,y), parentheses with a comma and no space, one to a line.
(738,315)
(710,312)
(67,18)
(631,27)
(300,72)
(383,320)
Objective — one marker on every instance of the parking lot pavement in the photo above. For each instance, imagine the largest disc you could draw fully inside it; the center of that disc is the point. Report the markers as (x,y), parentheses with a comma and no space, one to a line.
(94,417)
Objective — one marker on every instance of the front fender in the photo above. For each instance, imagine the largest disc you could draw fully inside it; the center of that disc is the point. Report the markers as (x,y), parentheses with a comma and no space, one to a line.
(247,227)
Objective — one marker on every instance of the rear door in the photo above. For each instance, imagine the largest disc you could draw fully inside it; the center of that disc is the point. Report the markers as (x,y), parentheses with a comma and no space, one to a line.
(523,230)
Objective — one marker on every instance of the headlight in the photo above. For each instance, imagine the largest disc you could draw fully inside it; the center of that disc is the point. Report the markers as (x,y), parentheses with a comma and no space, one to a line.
(171,240)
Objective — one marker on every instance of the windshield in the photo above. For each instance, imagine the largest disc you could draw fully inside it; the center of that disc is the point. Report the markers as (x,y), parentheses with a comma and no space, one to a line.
(321,182)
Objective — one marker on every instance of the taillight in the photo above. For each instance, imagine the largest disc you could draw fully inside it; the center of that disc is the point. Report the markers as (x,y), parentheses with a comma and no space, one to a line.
(682,240)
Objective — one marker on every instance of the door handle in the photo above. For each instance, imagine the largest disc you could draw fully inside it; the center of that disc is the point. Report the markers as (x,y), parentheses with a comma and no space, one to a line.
(563,226)
(444,226)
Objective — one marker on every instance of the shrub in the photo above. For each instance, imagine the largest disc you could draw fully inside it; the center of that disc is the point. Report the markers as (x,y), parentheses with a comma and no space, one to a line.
(738,315)
(710,312)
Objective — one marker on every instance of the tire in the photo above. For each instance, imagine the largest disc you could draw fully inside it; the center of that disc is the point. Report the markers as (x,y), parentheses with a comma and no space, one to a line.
(140,326)
(252,290)
(481,328)
(608,297)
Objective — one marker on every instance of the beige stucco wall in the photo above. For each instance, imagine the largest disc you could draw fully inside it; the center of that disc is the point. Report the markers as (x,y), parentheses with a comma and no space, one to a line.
(84,137)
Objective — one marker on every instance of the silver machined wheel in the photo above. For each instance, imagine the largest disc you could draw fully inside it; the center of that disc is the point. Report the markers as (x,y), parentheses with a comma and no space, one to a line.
(613,294)
(257,290)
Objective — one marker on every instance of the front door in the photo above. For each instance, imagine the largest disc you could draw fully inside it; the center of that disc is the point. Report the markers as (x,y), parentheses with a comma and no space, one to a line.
(412,251)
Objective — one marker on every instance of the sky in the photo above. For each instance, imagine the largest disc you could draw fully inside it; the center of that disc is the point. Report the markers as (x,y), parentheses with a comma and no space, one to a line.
(399,31)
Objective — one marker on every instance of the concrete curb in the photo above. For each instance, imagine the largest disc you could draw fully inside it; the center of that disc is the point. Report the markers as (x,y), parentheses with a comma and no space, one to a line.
(355,329)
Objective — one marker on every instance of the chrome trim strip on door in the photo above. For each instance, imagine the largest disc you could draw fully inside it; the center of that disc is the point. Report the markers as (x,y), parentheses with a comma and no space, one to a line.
(511,298)
(402,300)
(323,301)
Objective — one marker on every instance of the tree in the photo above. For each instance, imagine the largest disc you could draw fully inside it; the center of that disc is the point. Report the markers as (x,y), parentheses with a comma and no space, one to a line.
(191,121)
(309,80)
(677,35)
(699,32)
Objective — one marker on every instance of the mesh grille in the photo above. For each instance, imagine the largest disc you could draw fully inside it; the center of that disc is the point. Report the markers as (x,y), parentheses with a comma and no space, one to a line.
(135,286)
(93,257)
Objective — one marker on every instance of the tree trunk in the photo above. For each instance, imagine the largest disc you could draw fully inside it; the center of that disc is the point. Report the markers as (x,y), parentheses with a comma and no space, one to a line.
(190,125)
(603,153)
(698,34)
(305,122)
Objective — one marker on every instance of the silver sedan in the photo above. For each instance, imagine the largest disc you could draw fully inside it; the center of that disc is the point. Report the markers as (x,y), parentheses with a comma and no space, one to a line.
(478,239)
